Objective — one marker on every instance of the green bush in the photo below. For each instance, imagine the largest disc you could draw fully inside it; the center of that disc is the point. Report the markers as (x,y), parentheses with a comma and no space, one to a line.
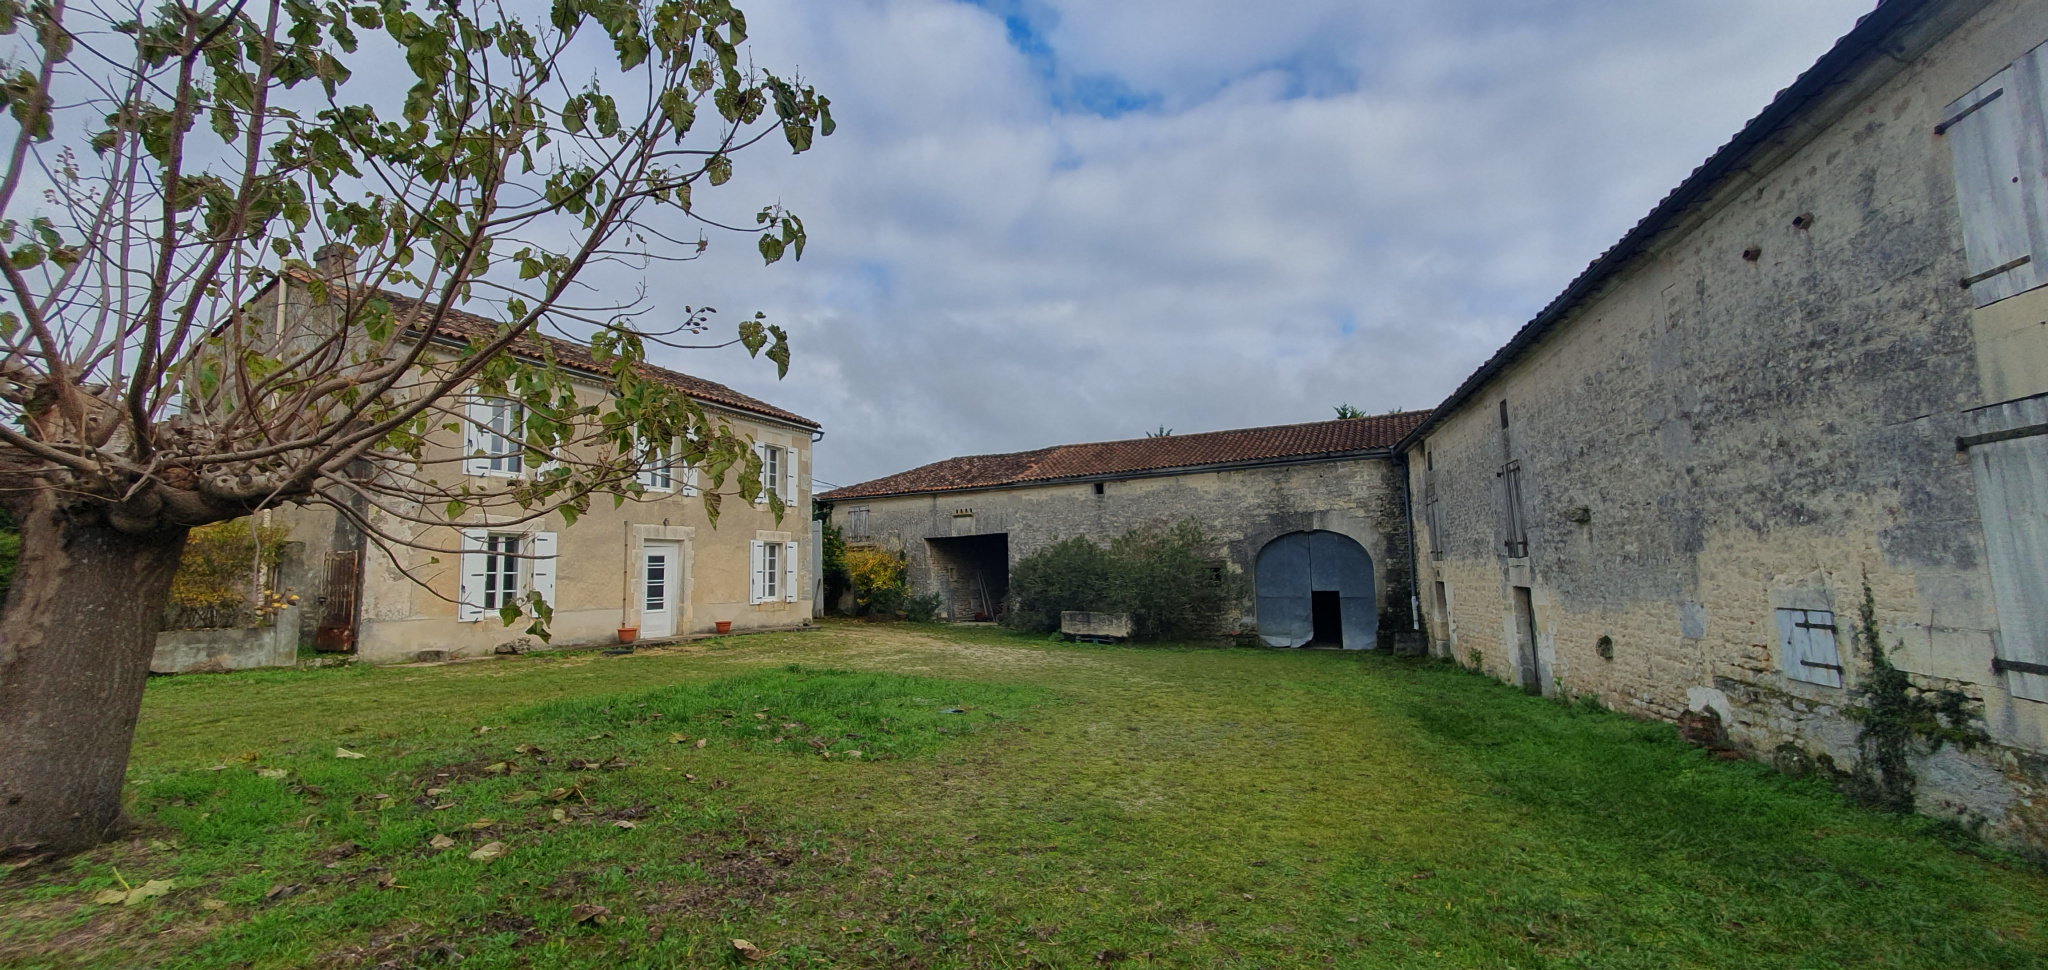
(1166,579)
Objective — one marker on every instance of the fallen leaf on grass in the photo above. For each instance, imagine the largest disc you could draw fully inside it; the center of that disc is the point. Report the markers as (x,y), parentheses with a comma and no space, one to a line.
(271,773)
(689,777)
(481,728)
(214,904)
(443,808)
(624,824)
(346,753)
(441,842)
(134,894)
(678,738)
(389,880)
(483,823)
(431,792)
(282,891)
(748,951)
(589,913)
(498,769)
(488,851)
(598,737)
(853,754)
(559,815)
(703,741)
(108,896)
(529,749)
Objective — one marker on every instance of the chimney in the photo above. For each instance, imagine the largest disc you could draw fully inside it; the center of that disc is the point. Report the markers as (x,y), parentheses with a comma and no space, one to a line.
(335,262)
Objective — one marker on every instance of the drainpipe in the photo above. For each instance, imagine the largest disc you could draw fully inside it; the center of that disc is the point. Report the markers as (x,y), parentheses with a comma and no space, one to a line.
(1414,563)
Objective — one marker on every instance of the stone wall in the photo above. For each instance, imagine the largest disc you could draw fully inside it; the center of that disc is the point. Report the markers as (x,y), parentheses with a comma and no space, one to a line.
(1761,414)
(1241,508)
(217,651)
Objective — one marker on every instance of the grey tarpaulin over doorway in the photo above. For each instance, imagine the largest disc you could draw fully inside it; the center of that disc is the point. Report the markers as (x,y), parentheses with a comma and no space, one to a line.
(1293,567)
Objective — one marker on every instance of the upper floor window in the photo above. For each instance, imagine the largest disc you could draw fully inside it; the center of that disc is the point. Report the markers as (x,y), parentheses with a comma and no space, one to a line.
(492,437)
(857,524)
(1998,144)
(657,470)
(778,473)
(1516,515)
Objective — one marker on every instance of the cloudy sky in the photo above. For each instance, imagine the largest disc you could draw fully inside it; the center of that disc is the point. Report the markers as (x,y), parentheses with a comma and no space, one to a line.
(1047,221)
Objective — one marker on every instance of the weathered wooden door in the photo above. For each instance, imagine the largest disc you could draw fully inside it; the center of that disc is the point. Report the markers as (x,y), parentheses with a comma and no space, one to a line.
(2009,455)
(337,632)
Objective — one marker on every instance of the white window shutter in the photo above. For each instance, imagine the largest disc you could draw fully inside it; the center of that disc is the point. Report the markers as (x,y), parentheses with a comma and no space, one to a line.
(469,600)
(544,566)
(761,451)
(758,559)
(478,411)
(1996,191)
(690,479)
(789,572)
(789,494)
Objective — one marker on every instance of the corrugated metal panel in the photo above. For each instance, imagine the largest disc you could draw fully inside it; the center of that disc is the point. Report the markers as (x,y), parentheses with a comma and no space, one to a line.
(1293,566)
(2010,459)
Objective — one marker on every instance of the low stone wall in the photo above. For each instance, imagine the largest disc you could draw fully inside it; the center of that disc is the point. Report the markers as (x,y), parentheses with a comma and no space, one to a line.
(218,651)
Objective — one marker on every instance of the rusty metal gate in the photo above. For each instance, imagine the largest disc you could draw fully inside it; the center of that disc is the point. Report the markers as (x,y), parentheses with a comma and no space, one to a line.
(337,633)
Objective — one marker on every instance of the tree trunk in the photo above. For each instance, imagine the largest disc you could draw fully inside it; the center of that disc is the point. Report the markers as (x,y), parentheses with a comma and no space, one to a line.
(76,636)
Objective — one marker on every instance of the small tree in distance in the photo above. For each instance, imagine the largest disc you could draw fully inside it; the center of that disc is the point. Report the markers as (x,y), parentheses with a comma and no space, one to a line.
(169,161)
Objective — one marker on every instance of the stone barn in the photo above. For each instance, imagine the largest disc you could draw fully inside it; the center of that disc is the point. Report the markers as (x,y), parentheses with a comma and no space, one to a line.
(1819,365)
(1312,513)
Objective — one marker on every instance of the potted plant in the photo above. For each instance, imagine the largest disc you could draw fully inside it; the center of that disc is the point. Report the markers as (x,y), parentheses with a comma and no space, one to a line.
(628,634)
(724,627)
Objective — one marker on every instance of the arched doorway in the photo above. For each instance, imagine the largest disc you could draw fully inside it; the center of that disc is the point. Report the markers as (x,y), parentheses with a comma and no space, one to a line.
(1316,587)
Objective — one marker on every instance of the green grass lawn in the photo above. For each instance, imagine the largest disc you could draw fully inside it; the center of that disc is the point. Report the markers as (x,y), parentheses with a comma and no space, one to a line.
(1011,803)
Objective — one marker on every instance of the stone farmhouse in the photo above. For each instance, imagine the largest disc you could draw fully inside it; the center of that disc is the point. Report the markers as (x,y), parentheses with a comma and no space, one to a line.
(654,563)
(1312,512)
(1820,362)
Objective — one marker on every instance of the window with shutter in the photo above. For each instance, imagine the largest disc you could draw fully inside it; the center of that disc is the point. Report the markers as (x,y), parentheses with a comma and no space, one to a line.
(501,571)
(789,586)
(690,479)
(1517,516)
(492,438)
(789,489)
(469,601)
(1806,646)
(2009,459)
(656,473)
(543,566)
(755,558)
(857,524)
(771,571)
(1996,143)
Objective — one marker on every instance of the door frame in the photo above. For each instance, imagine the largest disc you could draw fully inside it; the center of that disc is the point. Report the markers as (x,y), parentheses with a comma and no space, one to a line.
(633,574)
(672,573)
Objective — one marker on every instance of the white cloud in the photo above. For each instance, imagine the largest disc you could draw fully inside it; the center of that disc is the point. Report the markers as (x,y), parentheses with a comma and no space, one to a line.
(1314,203)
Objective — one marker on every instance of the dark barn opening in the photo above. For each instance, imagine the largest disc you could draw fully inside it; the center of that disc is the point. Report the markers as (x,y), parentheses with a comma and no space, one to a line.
(1327,616)
(972,574)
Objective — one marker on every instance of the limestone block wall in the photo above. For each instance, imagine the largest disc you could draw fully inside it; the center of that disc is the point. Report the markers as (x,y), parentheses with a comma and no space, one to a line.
(1715,437)
(1242,508)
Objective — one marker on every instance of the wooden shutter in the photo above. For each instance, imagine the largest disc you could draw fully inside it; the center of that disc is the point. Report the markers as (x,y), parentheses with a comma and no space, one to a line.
(789,572)
(789,494)
(757,571)
(544,566)
(2009,456)
(478,412)
(690,479)
(1806,639)
(761,452)
(469,606)
(1995,141)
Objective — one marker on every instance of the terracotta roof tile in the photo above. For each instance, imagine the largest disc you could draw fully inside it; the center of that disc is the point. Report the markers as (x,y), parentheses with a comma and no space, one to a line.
(1109,459)
(464,325)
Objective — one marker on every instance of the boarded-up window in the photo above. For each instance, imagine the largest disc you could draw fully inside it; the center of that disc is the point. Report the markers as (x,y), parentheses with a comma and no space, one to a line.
(1515,514)
(857,524)
(1806,647)
(1432,514)
(2008,448)
(1998,145)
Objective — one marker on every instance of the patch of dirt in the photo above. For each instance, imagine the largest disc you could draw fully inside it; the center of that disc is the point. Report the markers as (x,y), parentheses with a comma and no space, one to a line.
(747,875)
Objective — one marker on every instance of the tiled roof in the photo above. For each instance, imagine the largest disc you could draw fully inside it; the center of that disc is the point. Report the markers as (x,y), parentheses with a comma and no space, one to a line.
(1110,459)
(463,325)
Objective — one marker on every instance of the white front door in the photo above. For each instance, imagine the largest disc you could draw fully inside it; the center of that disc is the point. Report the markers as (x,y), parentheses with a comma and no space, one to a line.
(660,575)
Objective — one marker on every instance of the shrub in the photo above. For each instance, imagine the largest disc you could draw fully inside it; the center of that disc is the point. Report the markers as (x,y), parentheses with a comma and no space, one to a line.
(1072,574)
(1166,579)
(877,578)
(215,587)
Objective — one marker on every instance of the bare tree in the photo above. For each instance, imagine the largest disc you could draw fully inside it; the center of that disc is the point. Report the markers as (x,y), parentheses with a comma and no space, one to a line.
(172,162)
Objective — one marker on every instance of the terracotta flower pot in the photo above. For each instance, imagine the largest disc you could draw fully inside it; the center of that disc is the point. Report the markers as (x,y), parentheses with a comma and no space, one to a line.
(725,626)
(628,634)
